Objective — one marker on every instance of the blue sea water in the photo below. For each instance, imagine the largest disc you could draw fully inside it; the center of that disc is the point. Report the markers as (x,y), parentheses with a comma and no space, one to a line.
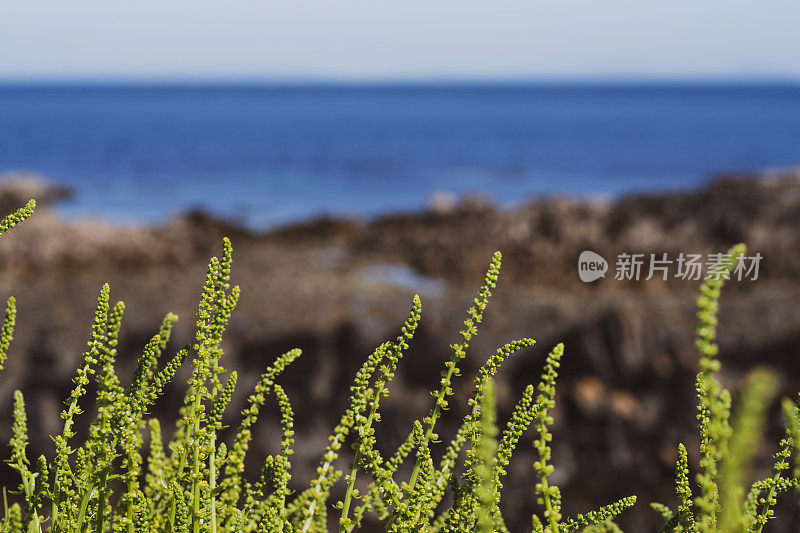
(270,155)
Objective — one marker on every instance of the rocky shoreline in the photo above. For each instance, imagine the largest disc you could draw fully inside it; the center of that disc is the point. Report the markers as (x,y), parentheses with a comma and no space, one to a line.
(337,287)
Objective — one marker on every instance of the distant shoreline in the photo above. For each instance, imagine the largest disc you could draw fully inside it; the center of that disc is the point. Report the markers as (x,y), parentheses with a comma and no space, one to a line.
(58,197)
(443,240)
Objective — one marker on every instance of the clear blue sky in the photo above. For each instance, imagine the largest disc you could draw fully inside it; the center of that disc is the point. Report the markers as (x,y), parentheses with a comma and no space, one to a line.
(397,39)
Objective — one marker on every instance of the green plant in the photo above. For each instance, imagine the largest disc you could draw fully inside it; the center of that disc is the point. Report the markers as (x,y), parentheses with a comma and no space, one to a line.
(723,502)
(196,482)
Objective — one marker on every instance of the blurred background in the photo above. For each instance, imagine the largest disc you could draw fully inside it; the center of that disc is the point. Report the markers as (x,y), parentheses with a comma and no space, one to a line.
(358,154)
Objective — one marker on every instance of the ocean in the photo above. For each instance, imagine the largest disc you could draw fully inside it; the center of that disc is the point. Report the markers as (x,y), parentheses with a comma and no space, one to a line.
(271,155)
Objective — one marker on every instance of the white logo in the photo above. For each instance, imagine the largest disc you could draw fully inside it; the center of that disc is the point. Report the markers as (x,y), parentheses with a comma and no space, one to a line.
(591,266)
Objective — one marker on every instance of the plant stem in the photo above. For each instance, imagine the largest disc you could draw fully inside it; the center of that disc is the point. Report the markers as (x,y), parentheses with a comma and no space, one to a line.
(196,470)
(352,481)
(84,504)
(770,496)
(101,503)
(26,484)
(549,507)
(434,416)
(212,480)
(131,489)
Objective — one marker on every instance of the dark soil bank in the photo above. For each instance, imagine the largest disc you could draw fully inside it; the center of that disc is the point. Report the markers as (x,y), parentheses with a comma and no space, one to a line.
(336,288)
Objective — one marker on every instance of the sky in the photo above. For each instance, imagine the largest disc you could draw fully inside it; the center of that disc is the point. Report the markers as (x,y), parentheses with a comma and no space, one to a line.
(398,40)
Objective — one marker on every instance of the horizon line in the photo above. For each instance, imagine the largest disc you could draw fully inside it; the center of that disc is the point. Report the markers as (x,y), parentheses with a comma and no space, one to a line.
(399,81)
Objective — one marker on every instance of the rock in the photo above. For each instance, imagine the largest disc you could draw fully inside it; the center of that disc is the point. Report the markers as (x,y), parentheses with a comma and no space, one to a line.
(17,187)
(590,395)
